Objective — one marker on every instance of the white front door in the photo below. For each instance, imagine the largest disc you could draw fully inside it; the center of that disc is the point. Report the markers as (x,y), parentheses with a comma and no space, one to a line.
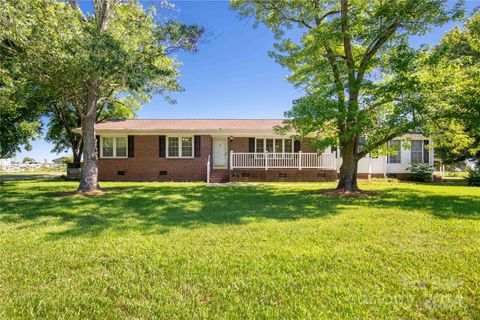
(219,152)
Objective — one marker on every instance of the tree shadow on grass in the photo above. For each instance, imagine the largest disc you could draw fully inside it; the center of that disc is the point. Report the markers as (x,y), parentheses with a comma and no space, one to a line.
(439,205)
(152,208)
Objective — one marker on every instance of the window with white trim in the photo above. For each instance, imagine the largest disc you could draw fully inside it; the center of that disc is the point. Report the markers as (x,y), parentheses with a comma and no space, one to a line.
(288,145)
(273,145)
(396,157)
(416,151)
(113,147)
(180,147)
(187,146)
(260,145)
(361,142)
(268,145)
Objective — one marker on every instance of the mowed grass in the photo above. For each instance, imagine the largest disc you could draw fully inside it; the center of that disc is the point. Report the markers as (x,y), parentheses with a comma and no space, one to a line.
(183,250)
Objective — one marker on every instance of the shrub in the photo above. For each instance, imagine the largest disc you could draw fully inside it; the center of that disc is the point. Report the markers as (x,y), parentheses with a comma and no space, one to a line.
(420,172)
(456,174)
(67,160)
(474,177)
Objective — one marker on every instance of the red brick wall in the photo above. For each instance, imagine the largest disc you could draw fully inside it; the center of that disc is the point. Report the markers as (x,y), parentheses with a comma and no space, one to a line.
(292,175)
(372,175)
(146,165)
(306,147)
(400,176)
(238,145)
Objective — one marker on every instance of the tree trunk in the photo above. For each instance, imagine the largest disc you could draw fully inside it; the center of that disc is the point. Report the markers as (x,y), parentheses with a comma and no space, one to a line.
(77,149)
(89,176)
(76,156)
(348,171)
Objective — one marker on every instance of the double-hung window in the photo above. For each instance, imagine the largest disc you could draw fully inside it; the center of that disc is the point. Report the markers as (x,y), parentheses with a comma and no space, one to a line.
(288,145)
(396,156)
(187,146)
(416,151)
(260,145)
(273,145)
(113,147)
(268,145)
(180,147)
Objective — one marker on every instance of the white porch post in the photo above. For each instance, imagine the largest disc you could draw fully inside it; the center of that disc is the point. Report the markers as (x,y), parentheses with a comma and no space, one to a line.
(231,159)
(208,169)
(385,166)
(266,160)
(299,160)
(369,167)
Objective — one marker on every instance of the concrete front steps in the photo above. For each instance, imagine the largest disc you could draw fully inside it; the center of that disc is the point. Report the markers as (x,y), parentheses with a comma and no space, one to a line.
(219,176)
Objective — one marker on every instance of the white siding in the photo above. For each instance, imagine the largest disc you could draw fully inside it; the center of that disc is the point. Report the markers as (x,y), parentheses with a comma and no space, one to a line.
(380,165)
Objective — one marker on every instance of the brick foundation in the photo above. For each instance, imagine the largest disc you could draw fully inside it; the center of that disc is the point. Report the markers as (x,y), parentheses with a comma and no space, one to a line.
(400,176)
(372,175)
(290,175)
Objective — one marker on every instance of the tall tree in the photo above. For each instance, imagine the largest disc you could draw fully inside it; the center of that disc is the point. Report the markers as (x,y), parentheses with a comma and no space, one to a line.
(63,119)
(452,83)
(19,123)
(88,61)
(355,64)
(19,107)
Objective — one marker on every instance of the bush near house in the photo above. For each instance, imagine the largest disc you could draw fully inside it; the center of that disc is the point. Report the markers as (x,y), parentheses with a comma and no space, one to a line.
(473,178)
(421,172)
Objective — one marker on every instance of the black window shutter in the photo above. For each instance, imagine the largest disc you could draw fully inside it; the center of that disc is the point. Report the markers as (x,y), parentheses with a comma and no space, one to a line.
(131,146)
(98,146)
(251,144)
(197,146)
(426,152)
(296,146)
(161,146)
(334,149)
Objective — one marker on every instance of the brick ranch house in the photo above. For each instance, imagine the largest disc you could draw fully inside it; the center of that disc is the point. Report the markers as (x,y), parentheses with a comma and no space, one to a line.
(220,150)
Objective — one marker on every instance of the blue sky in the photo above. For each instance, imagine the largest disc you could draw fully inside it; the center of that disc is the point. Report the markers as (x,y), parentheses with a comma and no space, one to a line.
(231,76)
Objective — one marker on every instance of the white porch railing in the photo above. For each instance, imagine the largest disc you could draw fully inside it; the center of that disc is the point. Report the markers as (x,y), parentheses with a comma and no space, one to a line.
(282,160)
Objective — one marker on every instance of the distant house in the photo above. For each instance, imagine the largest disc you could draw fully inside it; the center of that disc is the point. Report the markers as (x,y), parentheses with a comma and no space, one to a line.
(231,150)
(5,162)
(59,160)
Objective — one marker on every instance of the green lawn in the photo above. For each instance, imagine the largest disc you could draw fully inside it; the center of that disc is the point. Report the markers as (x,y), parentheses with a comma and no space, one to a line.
(179,250)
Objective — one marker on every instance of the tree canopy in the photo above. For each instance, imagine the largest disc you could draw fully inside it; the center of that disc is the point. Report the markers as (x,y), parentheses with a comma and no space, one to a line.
(452,85)
(118,55)
(63,119)
(355,64)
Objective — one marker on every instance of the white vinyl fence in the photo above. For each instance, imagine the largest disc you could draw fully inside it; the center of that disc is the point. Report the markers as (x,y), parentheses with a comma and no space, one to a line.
(23,167)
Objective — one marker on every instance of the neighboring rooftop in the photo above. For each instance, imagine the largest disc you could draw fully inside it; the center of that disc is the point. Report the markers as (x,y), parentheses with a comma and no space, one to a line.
(189,124)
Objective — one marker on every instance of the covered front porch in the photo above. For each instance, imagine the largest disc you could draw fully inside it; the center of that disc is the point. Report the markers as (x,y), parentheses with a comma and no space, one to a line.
(299,166)
(298,160)
(268,159)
